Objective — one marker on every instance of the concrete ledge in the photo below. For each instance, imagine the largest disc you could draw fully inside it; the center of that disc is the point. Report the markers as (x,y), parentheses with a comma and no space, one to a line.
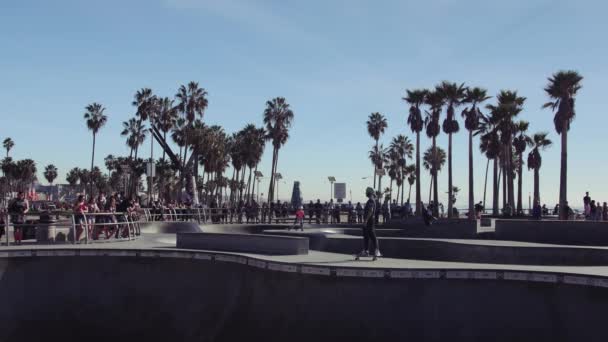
(245,243)
(415,227)
(588,233)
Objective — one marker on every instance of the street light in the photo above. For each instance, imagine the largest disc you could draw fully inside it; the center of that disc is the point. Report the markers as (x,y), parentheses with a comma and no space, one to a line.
(331,179)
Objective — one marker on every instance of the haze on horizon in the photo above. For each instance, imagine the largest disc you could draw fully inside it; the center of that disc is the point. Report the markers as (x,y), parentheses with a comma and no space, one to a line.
(334,61)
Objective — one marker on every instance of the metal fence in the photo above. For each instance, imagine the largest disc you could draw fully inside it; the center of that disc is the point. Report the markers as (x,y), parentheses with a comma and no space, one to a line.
(69,227)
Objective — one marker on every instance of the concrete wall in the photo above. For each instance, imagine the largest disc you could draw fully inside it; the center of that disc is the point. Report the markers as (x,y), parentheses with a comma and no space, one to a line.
(127,299)
(246,243)
(443,228)
(558,232)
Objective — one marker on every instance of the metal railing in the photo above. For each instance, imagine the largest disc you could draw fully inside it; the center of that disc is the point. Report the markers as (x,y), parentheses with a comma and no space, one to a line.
(73,228)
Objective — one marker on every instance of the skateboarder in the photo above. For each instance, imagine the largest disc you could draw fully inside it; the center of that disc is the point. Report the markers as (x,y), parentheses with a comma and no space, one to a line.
(369,233)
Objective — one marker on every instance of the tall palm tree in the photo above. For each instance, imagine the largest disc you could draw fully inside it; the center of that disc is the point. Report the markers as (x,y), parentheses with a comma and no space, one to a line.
(562,89)
(453,95)
(278,117)
(8,144)
(539,143)
(166,116)
(415,98)
(520,142)
(95,119)
(376,125)
(509,105)
(192,102)
(135,132)
(435,101)
(404,150)
(410,171)
(50,173)
(489,145)
(433,160)
(474,96)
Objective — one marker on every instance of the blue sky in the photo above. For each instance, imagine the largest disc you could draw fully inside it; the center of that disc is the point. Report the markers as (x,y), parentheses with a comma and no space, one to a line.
(334,61)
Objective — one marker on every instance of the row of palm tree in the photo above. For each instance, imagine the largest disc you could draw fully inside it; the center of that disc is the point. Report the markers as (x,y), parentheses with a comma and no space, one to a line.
(503,138)
(199,145)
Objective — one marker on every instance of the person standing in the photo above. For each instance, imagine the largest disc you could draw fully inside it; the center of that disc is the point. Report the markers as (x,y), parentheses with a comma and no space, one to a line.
(311,212)
(369,233)
(18,208)
(359,210)
(299,219)
(587,204)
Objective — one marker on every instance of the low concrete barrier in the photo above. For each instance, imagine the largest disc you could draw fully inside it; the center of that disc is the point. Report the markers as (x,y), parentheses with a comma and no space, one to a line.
(440,229)
(589,233)
(244,243)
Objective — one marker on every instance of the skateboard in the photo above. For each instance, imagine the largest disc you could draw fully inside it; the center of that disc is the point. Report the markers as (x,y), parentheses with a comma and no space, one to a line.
(369,256)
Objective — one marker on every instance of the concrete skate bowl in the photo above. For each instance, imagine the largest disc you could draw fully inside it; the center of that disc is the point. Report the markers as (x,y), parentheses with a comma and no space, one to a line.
(136,298)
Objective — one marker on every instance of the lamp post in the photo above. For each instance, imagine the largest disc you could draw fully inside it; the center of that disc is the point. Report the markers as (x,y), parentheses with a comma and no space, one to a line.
(331,180)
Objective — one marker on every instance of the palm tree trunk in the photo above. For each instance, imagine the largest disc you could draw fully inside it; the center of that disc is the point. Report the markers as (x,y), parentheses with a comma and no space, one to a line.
(92,161)
(511,187)
(418,195)
(519,181)
(485,184)
(253,184)
(403,188)
(249,186)
(391,189)
(435,185)
(471,192)
(409,194)
(536,185)
(271,185)
(431,188)
(165,140)
(242,189)
(373,162)
(398,191)
(450,175)
(563,174)
(504,186)
(495,188)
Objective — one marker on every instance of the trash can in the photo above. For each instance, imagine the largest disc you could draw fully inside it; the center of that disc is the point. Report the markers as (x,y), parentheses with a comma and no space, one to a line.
(45,231)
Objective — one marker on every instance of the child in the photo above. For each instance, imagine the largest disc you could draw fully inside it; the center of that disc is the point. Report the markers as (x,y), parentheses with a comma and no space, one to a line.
(299,218)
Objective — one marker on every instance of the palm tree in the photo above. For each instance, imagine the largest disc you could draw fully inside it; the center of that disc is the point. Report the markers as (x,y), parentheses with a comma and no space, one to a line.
(404,150)
(376,125)
(453,94)
(410,171)
(520,142)
(539,142)
(433,160)
(377,155)
(135,132)
(166,116)
(472,115)
(562,89)
(435,101)
(415,98)
(277,118)
(192,102)
(509,105)
(8,145)
(50,173)
(96,119)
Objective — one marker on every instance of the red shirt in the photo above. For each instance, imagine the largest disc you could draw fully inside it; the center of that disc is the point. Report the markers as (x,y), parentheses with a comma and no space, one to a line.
(300,213)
